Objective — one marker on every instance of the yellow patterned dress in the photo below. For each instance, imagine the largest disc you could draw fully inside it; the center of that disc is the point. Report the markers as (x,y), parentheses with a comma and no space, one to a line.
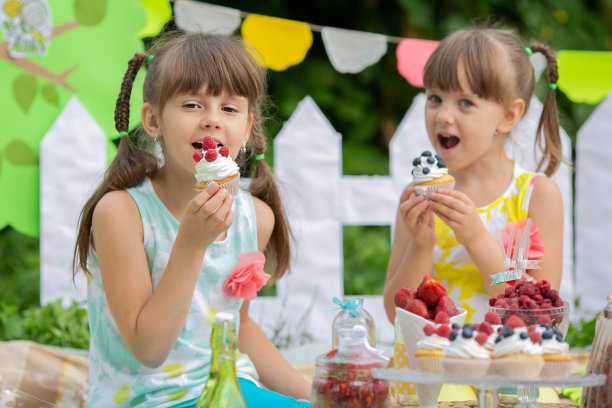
(451,263)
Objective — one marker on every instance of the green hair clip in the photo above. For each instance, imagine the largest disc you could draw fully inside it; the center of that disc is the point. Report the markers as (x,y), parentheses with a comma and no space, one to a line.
(260,156)
(528,51)
(149,58)
(552,85)
(123,134)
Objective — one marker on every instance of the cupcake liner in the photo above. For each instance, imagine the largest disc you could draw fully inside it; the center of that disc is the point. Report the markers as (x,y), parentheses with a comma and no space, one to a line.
(232,185)
(428,189)
(556,370)
(430,364)
(465,367)
(517,368)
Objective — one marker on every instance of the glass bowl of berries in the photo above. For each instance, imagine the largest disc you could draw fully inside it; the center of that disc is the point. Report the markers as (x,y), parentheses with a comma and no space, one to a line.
(534,303)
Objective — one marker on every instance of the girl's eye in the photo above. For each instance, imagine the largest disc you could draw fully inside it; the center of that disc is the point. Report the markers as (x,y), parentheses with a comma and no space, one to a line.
(466,103)
(191,105)
(229,109)
(434,99)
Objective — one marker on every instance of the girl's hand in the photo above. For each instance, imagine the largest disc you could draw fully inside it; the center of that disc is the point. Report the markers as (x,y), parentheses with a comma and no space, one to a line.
(417,215)
(459,213)
(207,216)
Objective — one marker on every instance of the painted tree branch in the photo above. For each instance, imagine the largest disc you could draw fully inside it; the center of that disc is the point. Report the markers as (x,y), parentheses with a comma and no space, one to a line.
(59,79)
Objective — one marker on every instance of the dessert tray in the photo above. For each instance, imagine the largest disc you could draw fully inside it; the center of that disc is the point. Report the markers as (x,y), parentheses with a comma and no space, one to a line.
(487,387)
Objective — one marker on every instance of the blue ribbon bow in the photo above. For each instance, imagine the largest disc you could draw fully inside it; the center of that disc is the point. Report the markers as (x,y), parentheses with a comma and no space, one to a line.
(352,305)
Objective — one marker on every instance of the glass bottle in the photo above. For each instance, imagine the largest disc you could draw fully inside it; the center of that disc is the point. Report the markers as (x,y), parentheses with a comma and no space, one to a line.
(352,311)
(600,362)
(343,376)
(221,389)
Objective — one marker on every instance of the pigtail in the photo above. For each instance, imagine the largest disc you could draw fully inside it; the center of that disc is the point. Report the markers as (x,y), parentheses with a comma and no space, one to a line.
(548,126)
(264,186)
(129,167)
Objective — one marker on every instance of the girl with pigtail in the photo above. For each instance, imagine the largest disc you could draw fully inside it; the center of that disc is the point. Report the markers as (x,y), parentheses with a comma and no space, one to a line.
(159,254)
(479,83)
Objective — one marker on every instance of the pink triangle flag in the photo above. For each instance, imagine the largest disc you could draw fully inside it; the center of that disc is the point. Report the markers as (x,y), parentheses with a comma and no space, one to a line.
(412,54)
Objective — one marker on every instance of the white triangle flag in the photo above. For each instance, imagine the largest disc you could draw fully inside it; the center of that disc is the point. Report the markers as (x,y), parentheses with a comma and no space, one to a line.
(194,16)
(352,51)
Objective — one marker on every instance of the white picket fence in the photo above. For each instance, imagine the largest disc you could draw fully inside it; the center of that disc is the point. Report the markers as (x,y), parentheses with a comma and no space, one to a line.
(320,201)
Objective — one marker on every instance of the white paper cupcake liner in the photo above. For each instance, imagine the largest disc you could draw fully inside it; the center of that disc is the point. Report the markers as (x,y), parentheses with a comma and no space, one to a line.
(430,364)
(465,367)
(517,368)
(427,190)
(232,186)
(556,370)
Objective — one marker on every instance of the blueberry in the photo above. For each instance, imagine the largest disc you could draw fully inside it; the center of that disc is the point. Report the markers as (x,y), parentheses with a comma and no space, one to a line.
(431,160)
(441,164)
(426,170)
(413,171)
(453,335)
(426,153)
(468,326)
(559,338)
(545,325)
(455,326)
(438,158)
(547,335)
(508,331)
(498,339)
(557,332)
(467,332)
(524,335)
(416,161)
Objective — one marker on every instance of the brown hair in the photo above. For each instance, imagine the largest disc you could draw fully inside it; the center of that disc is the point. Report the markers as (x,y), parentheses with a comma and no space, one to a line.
(486,54)
(183,63)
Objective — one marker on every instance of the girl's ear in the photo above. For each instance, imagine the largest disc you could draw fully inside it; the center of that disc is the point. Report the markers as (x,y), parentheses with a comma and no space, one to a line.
(514,113)
(150,124)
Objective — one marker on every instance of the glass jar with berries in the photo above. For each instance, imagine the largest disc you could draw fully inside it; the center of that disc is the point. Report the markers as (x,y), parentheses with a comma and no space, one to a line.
(353,312)
(600,362)
(343,376)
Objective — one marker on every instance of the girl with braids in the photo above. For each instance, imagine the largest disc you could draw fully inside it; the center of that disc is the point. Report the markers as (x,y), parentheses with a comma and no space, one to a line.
(157,252)
(478,85)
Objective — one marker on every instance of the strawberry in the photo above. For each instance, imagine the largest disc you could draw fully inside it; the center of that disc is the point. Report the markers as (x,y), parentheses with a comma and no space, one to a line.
(428,329)
(443,330)
(481,338)
(209,143)
(430,291)
(224,151)
(492,318)
(514,321)
(418,307)
(442,318)
(447,306)
(211,155)
(197,155)
(485,327)
(544,319)
(535,337)
(404,296)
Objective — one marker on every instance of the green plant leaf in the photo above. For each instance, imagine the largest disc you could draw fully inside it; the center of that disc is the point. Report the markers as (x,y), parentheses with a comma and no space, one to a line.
(90,13)
(24,90)
(20,154)
(49,93)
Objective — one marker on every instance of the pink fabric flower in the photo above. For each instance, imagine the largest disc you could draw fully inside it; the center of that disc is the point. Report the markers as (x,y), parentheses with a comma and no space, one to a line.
(536,248)
(248,276)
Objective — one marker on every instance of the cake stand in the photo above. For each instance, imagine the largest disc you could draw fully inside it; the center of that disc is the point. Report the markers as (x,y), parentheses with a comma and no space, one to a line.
(487,386)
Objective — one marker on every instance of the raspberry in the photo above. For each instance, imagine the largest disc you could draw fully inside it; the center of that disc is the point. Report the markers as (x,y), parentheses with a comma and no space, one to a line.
(446,305)
(532,327)
(559,302)
(404,296)
(514,321)
(544,319)
(544,285)
(509,292)
(444,331)
(197,155)
(492,301)
(535,337)
(485,327)
(430,291)
(552,295)
(428,329)
(224,151)
(209,143)
(502,303)
(528,289)
(442,318)
(481,338)
(211,155)
(418,307)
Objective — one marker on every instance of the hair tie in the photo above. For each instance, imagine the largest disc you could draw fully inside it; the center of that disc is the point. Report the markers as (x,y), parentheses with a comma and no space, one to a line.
(552,85)
(149,58)
(123,134)
(528,51)
(260,156)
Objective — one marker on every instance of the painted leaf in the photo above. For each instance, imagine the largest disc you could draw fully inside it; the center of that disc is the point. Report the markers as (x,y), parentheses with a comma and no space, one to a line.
(20,154)
(24,90)
(89,12)
(49,93)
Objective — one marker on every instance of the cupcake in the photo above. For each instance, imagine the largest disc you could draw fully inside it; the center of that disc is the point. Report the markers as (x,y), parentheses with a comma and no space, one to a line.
(431,347)
(490,326)
(517,353)
(430,174)
(555,352)
(213,163)
(466,355)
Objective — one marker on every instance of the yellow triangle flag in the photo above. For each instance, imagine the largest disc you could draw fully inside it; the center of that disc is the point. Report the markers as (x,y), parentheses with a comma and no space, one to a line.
(584,76)
(282,43)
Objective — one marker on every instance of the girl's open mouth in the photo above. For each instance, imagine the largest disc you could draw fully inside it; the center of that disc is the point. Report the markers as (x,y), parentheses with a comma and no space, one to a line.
(448,142)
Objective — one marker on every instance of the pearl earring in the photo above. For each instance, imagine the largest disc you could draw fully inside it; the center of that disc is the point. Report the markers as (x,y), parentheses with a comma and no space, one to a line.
(243,150)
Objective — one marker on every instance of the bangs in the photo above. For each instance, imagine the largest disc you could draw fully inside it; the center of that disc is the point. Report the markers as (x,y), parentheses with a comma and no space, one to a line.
(480,58)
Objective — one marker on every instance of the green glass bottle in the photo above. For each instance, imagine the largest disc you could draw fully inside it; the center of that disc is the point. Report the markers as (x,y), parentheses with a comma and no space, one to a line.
(221,389)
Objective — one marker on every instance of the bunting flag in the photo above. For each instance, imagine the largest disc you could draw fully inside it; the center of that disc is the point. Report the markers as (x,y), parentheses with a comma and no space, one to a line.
(585,76)
(194,16)
(158,14)
(412,54)
(282,43)
(352,51)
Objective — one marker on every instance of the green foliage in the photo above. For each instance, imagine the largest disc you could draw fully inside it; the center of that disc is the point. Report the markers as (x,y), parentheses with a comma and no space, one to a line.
(581,334)
(366,253)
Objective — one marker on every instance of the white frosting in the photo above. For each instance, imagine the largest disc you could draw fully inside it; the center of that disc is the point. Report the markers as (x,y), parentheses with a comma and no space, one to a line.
(515,345)
(466,348)
(490,343)
(554,346)
(418,176)
(220,168)
(433,342)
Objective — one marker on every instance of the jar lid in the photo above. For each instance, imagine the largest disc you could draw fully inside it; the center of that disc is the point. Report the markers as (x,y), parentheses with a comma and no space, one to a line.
(353,348)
